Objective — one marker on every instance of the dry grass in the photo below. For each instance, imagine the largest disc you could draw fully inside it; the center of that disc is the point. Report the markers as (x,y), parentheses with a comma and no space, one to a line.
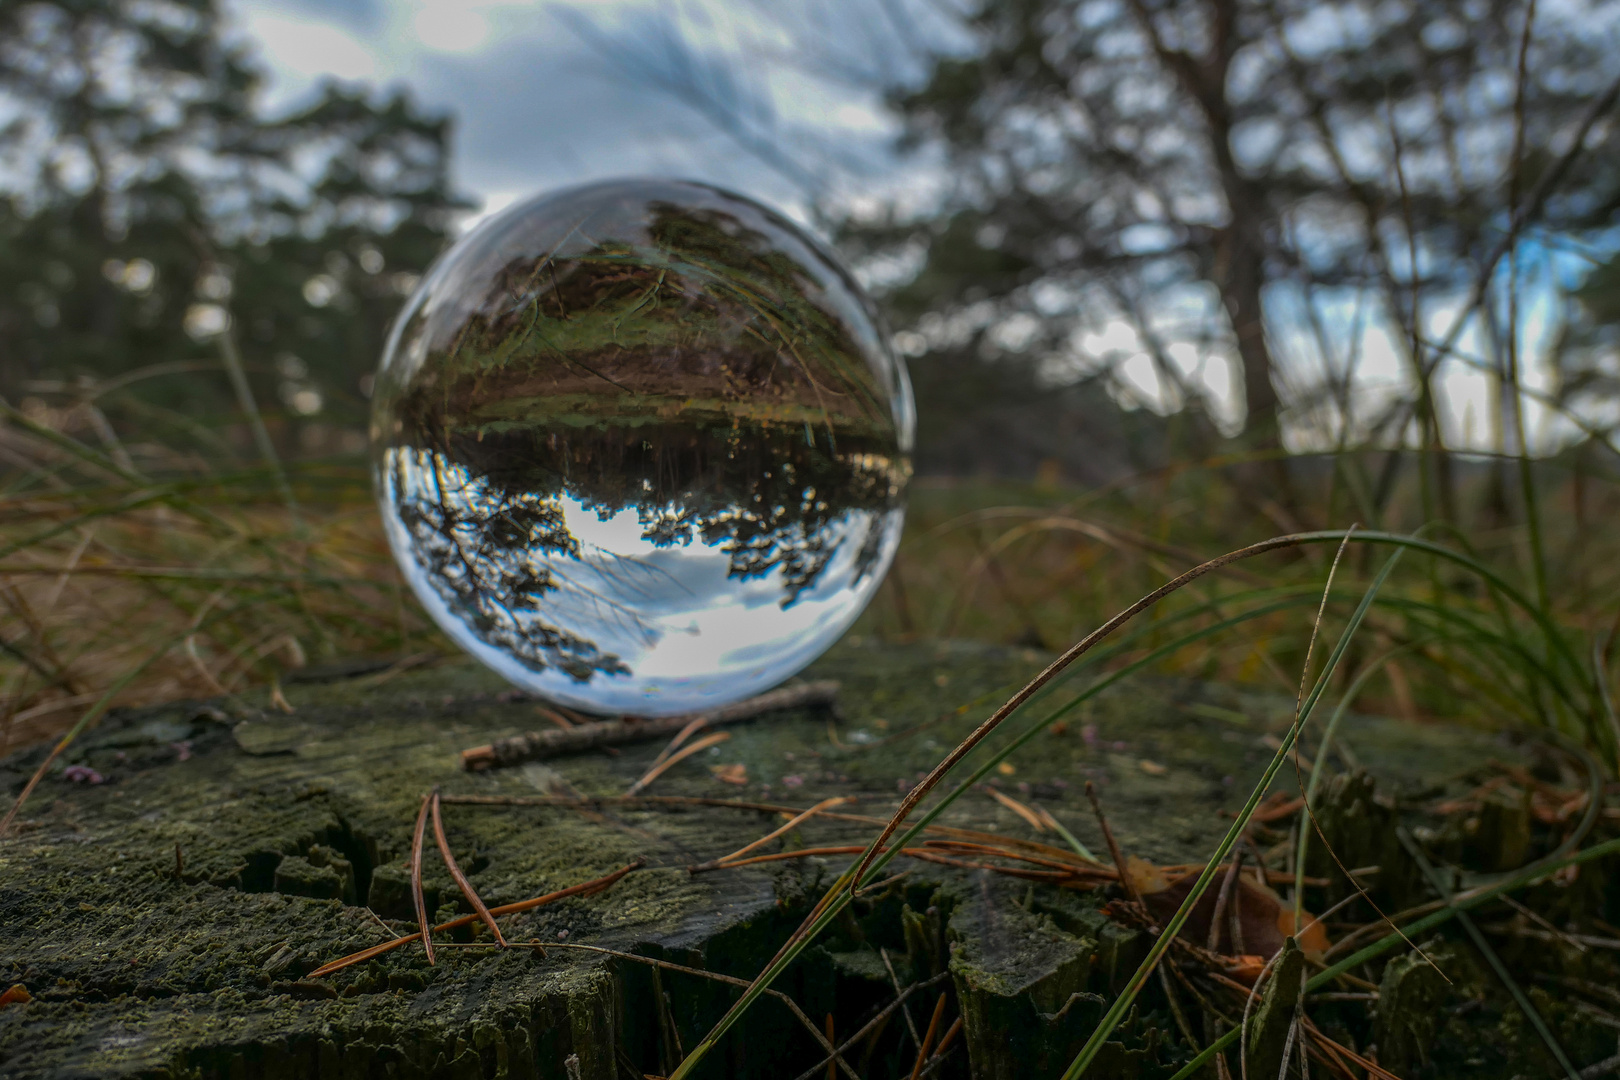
(197,582)
(202,582)
(1042,565)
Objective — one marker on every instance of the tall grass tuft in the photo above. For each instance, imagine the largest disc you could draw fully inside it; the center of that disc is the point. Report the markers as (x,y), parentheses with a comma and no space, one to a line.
(147,575)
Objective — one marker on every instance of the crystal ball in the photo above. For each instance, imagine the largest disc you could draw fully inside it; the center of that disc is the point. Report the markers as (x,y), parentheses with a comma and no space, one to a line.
(641,446)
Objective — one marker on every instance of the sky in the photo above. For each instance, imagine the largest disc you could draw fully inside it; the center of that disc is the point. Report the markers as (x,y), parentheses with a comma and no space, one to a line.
(547,94)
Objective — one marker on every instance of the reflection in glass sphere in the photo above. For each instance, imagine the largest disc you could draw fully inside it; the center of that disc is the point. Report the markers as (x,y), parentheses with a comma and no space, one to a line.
(641,447)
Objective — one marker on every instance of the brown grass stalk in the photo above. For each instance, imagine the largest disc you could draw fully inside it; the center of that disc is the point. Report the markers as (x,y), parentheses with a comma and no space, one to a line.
(417,898)
(587,888)
(454,867)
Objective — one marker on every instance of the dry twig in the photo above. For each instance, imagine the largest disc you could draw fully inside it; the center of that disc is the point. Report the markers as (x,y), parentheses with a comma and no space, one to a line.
(534,745)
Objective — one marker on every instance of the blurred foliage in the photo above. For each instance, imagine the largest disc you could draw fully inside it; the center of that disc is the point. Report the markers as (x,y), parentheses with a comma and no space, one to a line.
(148,197)
(150,206)
(1180,165)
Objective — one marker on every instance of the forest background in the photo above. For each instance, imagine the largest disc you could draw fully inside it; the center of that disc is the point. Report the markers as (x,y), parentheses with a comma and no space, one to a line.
(1171,276)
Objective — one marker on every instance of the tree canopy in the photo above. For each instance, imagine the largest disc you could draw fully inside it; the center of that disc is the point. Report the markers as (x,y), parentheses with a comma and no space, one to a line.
(1193,168)
(150,206)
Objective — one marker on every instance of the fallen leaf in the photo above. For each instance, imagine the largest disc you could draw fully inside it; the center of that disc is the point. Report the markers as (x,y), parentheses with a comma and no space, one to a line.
(730,774)
(1006,768)
(17,995)
(1246,968)
(1145,877)
(1152,768)
(1264,921)
(1313,942)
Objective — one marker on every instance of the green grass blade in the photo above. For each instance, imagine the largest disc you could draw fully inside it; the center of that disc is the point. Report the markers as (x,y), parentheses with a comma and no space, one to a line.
(1466,902)
(875,859)
(1513,988)
(1116,1012)
(1320,766)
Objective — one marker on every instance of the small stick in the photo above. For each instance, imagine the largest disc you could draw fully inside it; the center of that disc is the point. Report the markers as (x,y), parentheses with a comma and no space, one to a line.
(680,737)
(676,758)
(555,717)
(462,883)
(389,930)
(603,733)
(1223,898)
(585,888)
(1113,847)
(835,1052)
(416,878)
(714,864)
(586,802)
(945,1042)
(928,1039)
(898,1002)
(832,1040)
(916,1040)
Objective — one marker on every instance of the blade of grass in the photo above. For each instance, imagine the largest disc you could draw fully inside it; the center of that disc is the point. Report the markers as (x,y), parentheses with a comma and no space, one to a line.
(1068,837)
(1600,675)
(1116,1012)
(832,903)
(232,361)
(1351,693)
(94,713)
(1463,902)
(1484,947)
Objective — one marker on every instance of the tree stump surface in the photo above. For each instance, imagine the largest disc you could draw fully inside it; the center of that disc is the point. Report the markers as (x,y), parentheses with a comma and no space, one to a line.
(165,908)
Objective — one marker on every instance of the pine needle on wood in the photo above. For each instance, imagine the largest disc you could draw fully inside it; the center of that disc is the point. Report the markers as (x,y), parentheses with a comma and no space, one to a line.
(462,883)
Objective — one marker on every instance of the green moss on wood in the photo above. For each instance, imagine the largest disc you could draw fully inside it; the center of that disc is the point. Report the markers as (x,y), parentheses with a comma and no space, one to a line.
(142,963)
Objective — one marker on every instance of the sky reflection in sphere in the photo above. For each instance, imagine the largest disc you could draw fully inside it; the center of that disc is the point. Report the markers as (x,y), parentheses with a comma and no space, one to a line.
(640,446)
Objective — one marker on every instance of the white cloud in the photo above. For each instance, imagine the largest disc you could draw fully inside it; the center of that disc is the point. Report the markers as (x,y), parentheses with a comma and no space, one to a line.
(451,27)
(300,52)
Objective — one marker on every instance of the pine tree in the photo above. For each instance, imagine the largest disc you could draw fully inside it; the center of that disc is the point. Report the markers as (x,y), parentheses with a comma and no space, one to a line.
(1118,159)
(149,206)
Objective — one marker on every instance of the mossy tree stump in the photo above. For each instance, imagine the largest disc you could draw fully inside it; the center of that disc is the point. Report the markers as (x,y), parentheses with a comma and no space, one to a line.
(165,919)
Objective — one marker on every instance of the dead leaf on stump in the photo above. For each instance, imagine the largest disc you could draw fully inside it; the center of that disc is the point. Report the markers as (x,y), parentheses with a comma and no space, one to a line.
(1264,921)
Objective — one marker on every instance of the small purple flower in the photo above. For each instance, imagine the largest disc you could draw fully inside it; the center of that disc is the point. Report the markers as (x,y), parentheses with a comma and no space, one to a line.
(82,774)
(182,750)
(1089,734)
(793,781)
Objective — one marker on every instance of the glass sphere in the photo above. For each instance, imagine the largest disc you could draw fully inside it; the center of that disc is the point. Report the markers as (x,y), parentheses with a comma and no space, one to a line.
(641,446)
